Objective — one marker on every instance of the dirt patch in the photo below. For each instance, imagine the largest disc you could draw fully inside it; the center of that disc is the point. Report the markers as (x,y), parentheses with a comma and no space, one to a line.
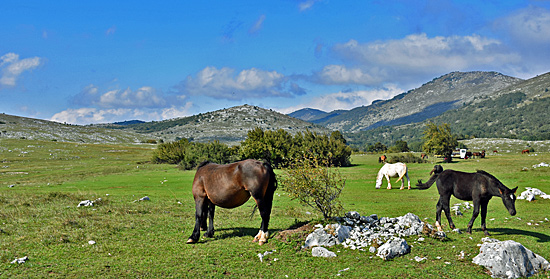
(299,231)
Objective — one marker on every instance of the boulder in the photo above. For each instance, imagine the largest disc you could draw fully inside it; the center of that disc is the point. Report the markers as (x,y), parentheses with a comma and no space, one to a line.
(322,252)
(509,259)
(393,248)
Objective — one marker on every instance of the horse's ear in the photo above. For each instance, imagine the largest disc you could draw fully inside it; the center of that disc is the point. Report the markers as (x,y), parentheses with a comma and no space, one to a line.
(514,190)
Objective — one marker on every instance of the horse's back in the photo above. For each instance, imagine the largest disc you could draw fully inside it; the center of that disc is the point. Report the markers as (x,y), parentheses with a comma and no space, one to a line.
(460,184)
(230,185)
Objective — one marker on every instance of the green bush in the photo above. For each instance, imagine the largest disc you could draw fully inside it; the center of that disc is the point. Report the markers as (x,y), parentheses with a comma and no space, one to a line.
(315,185)
(187,155)
(405,158)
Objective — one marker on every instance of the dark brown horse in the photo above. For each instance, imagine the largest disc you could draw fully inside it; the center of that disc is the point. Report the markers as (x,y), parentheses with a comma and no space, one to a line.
(478,187)
(230,186)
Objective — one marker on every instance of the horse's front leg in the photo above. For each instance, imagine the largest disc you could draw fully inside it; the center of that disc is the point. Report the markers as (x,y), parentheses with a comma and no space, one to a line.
(474,216)
(389,183)
(483,216)
(200,210)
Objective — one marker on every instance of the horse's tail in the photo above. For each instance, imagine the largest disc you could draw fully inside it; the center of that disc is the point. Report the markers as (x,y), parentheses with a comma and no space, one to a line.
(271,186)
(403,174)
(436,171)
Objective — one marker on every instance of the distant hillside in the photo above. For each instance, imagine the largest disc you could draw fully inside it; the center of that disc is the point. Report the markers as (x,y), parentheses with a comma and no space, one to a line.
(441,94)
(308,114)
(15,127)
(518,111)
(227,125)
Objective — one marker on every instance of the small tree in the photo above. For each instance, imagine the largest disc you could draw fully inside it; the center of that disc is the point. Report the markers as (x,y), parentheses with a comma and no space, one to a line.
(315,185)
(439,140)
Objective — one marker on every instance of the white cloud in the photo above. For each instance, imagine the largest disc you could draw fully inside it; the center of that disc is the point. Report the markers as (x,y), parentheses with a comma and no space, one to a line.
(257,25)
(11,67)
(340,74)
(527,26)
(144,97)
(306,5)
(346,100)
(419,55)
(224,83)
(84,116)
(110,31)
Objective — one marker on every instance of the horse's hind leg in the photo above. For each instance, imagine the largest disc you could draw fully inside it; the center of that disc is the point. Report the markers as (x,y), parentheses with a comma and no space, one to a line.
(211,209)
(264,205)
(201,206)
(438,215)
(474,216)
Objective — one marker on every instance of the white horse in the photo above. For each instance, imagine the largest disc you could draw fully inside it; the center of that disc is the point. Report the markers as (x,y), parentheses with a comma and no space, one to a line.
(393,170)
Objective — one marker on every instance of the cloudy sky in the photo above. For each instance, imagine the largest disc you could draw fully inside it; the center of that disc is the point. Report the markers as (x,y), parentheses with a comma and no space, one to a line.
(100,61)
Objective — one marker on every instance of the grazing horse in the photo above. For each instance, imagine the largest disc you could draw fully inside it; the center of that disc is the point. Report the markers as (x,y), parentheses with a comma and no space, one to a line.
(230,186)
(382,159)
(525,151)
(393,170)
(478,187)
(495,151)
(424,156)
(479,154)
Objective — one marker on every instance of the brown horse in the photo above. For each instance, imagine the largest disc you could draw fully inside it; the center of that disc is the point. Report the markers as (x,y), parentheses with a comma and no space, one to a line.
(230,186)
(478,187)
(382,159)
(525,151)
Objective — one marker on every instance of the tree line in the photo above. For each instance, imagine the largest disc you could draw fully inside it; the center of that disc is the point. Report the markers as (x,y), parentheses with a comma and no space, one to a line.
(279,148)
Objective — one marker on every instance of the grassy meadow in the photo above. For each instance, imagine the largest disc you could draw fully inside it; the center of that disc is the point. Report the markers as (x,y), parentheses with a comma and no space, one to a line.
(41,184)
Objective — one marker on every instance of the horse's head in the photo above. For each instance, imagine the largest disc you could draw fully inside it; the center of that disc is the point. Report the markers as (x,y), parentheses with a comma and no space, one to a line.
(509,199)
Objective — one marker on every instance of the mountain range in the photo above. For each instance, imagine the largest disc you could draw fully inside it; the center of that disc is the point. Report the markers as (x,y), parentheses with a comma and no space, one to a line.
(475,104)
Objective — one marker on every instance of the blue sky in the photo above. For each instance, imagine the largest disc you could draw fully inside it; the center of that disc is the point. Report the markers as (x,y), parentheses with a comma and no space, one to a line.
(85,62)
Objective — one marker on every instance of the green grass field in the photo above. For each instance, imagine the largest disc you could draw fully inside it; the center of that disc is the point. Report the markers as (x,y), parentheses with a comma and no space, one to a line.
(41,184)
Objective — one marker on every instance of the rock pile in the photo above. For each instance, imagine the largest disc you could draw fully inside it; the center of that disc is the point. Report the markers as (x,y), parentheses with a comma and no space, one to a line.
(370,233)
(509,259)
(530,194)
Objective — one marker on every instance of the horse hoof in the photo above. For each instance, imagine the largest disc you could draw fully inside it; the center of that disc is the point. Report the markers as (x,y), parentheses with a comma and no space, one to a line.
(190,241)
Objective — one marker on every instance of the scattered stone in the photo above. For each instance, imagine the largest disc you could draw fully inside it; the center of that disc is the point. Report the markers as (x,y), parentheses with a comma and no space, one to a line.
(419,259)
(146,198)
(509,259)
(322,252)
(86,203)
(20,260)
(542,164)
(262,256)
(91,242)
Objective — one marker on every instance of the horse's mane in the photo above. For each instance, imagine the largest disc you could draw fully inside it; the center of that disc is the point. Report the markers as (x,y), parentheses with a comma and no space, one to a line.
(204,163)
(498,183)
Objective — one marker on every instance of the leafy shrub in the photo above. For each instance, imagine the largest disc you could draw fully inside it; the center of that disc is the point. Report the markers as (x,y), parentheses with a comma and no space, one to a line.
(280,148)
(187,155)
(315,185)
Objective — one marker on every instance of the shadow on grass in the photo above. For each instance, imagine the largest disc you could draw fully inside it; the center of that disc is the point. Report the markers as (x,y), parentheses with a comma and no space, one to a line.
(503,231)
(224,233)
